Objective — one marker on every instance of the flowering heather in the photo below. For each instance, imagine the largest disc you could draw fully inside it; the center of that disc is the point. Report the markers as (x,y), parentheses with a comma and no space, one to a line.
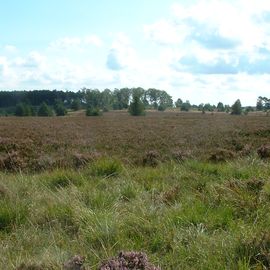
(128,261)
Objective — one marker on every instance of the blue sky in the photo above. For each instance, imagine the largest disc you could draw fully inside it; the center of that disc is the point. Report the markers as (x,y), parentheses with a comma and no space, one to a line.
(203,51)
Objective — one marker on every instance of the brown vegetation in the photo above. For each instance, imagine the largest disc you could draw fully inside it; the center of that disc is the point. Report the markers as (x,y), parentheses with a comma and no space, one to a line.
(128,261)
(46,143)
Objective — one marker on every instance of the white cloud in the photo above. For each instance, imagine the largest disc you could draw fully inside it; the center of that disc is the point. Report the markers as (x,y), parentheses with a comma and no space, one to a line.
(205,51)
(92,40)
(10,48)
(122,54)
(77,43)
(166,32)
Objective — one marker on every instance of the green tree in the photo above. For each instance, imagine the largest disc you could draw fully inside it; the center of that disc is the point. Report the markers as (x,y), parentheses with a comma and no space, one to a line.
(200,107)
(23,109)
(60,108)
(178,103)
(93,111)
(208,107)
(185,107)
(75,104)
(44,110)
(19,110)
(220,107)
(237,107)
(136,107)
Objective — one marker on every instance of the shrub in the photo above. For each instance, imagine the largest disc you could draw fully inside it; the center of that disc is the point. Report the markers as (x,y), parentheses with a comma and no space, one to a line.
(151,158)
(255,185)
(75,104)
(129,261)
(12,162)
(44,110)
(185,107)
(60,109)
(264,151)
(180,156)
(136,107)
(75,263)
(81,160)
(161,108)
(237,108)
(23,110)
(221,155)
(93,112)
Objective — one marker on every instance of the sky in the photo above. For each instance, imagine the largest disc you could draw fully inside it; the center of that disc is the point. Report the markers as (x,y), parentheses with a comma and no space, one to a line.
(197,50)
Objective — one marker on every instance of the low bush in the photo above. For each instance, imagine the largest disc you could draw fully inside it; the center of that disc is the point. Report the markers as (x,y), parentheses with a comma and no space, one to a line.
(264,151)
(151,158)
(93,112)
(221,155)
(128,261)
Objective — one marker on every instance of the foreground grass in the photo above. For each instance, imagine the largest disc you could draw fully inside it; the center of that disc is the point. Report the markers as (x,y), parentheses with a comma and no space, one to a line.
(192,215)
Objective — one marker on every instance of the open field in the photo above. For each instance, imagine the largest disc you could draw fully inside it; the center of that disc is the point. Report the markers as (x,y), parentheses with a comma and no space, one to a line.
(97,185)
(44,143)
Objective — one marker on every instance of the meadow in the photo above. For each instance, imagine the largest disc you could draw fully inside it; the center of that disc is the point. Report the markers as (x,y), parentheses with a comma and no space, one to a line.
(188,189)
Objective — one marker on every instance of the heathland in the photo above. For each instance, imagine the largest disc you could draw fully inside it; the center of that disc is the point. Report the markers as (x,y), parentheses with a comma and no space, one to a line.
(189,189)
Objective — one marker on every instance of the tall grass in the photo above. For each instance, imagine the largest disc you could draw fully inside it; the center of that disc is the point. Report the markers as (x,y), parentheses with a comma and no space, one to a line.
(193,215)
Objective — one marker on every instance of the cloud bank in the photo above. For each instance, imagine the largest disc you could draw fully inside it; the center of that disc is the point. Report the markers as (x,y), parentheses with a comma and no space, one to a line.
(205,52)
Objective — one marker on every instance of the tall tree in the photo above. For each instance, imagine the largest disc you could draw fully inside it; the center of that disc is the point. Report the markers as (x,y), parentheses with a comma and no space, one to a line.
(220,107)
(136,107)
(237,107)
(178,103)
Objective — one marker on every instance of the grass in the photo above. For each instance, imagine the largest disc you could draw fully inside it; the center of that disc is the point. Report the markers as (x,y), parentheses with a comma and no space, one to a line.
(192,215)
(187,189)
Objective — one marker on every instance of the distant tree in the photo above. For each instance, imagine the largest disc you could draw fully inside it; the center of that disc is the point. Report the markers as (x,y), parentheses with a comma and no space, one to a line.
(75,104)
(44,110)
(161,107)
(23,110)
(106,100)
(19,110)
(208,107)
(136,107)
(60,108)
(185,107)
(220,107)
(265,102)
(237,107)
(227,108)
(259,105)
(201,107)
(93,111)
(178,103)
(248,109)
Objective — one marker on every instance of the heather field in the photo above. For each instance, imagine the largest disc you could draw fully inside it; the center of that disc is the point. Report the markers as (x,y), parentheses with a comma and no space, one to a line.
(190,190)
(34,143)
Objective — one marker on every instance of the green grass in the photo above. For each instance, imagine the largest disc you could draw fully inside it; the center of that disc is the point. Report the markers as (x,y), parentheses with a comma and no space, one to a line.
(193,215)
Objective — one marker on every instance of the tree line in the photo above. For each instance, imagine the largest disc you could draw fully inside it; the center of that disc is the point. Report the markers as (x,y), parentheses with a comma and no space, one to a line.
(26,103)
(94,101)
